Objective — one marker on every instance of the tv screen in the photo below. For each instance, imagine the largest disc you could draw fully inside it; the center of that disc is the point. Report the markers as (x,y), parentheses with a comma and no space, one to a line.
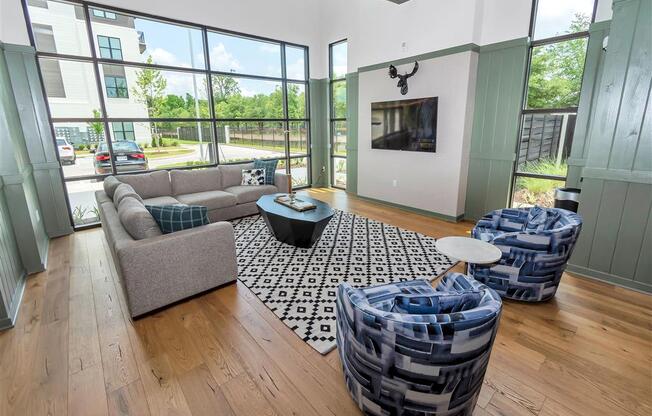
(405,125)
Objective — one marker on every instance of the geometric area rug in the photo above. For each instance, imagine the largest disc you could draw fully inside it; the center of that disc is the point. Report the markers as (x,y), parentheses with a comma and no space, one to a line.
(299,284)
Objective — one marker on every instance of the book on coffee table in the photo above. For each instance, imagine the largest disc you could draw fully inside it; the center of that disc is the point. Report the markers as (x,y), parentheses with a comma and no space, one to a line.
(295,203)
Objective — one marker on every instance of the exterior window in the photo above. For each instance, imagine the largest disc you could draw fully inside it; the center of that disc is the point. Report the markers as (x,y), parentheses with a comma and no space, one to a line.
(104,14)
(338,108)
(123,131)
(154,95)
(556,68)
(110,48)
(116,87)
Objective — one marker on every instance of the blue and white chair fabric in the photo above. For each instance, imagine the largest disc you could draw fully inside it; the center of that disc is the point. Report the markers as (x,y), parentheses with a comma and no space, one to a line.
(536,244)
(410,349)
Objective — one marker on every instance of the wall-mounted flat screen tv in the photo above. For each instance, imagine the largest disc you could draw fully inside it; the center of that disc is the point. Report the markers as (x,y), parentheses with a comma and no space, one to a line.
(409,125)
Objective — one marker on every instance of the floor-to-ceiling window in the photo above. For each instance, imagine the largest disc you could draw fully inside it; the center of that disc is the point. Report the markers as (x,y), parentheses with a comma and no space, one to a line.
(128,93)
(338,124)
(559,38)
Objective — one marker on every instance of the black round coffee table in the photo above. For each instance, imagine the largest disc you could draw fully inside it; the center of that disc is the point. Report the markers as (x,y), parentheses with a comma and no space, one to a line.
(299,229)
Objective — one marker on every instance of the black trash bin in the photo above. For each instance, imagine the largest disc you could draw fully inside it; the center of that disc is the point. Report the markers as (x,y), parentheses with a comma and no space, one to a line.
(567,198)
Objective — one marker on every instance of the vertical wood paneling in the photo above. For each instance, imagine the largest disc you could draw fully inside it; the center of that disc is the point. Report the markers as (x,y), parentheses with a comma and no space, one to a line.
(644,264)
(501,72)
(613,81)
(631,234)
(635,92)
(610,215)
(589,203)
(11,267)
(643,156)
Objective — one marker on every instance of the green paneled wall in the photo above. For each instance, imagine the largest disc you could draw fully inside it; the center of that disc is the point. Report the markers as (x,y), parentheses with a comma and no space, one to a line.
(352,82)
(616,154)
(319,132)
(499,89)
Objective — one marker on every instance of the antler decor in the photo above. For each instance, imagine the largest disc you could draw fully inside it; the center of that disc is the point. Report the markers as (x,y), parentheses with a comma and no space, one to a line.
(402,79)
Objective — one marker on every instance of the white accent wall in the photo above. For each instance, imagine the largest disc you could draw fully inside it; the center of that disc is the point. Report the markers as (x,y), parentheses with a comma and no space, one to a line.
(434,182)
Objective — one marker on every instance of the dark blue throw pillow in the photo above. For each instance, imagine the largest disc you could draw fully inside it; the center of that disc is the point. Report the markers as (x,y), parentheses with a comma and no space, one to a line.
(179,217)
(270,169)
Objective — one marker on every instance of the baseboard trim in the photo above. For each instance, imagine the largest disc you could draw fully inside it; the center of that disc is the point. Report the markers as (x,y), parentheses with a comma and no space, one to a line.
(609,278)
(10,321)
(420,211)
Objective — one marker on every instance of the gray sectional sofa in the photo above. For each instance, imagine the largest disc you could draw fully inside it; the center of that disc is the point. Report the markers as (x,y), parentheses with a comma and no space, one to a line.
(158,269)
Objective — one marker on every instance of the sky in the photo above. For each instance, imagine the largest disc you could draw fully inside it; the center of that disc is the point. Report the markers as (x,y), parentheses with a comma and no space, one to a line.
(555,16)
(171,45)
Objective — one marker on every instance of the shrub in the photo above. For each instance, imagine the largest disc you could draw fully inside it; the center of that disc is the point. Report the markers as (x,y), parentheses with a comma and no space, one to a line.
(174,143)
(154,142)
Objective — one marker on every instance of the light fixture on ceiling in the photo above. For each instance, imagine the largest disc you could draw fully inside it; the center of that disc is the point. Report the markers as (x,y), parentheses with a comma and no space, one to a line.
(399,1)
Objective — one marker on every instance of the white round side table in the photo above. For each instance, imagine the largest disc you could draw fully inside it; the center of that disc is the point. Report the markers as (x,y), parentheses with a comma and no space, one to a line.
(469,250)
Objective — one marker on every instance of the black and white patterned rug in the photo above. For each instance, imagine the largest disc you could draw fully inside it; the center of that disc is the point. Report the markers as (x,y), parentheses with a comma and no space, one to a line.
(299,285)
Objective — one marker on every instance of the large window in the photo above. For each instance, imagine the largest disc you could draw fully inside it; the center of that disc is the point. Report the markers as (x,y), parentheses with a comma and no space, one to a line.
(181,96)
(559,33)
(338,125)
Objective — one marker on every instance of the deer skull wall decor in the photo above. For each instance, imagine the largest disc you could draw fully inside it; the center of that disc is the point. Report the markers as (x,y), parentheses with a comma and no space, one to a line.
(402,79)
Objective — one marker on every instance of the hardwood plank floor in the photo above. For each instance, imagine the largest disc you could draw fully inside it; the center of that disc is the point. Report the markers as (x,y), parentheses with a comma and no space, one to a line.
(75,351)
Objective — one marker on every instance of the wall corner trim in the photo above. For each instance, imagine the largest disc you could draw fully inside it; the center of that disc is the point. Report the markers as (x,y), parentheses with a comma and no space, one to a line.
(608,278)
(10,320)
(419,211)
(505,44)
(422,57)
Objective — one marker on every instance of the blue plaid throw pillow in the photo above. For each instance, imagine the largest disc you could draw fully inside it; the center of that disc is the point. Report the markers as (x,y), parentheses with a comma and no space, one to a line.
(270,169)
(173,218)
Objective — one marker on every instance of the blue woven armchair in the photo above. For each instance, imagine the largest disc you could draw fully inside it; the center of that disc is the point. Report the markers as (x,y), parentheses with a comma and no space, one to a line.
(536,244)
(410,349)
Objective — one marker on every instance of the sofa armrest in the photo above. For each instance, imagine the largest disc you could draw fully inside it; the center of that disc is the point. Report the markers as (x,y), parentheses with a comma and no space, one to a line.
(283,182)
(164,269)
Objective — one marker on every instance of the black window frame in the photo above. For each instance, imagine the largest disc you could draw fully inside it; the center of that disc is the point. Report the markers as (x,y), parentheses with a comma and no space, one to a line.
(333,120)
(97,60)
(122,130)
(111,49)
(516,174)
(117,89)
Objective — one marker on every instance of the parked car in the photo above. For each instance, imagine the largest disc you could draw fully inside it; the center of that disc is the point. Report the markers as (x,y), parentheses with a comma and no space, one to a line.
(66,152)
(128,157)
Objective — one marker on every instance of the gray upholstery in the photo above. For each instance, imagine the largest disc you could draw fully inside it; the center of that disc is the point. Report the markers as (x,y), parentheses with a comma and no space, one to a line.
(282,182)
(149,185)
(158,270)
(193,181)
(136,219)
(122,191)
(232,174)
(209,199)
(110,184)
(161,200)
(246,193)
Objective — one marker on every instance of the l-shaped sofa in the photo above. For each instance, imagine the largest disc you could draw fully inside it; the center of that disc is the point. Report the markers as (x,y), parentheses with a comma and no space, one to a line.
(164,268)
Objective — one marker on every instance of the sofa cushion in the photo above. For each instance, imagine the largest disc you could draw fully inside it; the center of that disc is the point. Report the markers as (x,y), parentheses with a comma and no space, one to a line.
(137,220)
(122,192)
(209,199)
(270,169)
(110,184)
(161,200)
(232,174)
(173,218)
(196,180)
(439,303)
(149,185)
(248,193)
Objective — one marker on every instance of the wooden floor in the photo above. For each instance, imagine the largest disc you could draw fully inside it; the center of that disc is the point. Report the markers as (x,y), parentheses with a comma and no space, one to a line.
(75,351)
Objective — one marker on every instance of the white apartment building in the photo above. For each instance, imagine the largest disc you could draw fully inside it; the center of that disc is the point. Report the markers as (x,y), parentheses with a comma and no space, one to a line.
(70,84)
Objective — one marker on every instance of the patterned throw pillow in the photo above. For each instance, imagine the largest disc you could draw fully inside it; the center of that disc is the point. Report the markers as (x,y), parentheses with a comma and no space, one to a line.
(270,169)
(253,177)
(178,217)
(541,219)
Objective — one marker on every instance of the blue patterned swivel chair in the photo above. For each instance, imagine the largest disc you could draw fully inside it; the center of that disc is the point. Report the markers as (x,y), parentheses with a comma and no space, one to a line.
(536,244)
(410,349)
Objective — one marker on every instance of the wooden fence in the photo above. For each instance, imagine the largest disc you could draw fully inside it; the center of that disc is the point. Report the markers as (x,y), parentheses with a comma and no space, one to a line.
(546,136)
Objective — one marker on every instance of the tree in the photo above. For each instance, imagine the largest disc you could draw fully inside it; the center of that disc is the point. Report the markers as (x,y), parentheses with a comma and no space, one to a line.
(556,70)
(149,89)
(96,127)
(224,87)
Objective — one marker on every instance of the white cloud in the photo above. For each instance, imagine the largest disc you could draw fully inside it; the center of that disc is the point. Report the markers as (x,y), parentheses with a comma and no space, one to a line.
(164,57)
(270,48)
(297,69)
(222,60)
